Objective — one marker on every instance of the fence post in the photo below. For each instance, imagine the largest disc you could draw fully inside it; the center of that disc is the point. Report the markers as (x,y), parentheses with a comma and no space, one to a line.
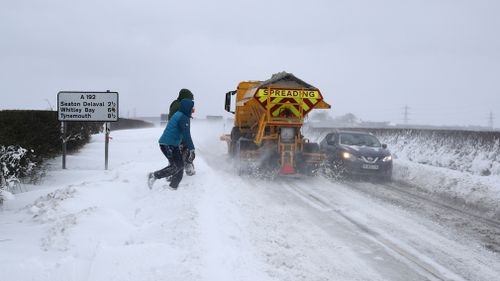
(63,133)
(106,144)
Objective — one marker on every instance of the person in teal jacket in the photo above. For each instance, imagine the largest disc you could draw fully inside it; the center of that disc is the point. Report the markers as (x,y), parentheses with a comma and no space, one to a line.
(177,130)
(174,107)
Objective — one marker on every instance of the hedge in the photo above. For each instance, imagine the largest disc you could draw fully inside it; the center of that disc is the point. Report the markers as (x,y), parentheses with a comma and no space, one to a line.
(40,131)
(27,137)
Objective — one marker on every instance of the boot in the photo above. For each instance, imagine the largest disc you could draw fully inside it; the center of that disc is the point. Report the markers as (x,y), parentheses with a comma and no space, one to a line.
(189,168)
(151,180)
(173,186)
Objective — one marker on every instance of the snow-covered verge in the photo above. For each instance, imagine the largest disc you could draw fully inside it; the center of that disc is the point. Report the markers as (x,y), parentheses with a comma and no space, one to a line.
(476,153)
(463,190)
(85,223)
(460,168)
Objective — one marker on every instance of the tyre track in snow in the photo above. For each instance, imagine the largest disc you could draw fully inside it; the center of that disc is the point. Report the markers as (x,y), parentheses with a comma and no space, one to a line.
(477,225)
(322,204)
(416,227)
(297,247)
(400,260)
(429,201)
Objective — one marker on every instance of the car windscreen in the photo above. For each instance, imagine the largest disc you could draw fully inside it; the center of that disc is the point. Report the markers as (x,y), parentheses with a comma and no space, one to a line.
(359,139)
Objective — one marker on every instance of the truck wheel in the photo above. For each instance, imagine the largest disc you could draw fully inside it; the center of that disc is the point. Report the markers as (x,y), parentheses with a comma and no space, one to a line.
(235,136)
(237,158)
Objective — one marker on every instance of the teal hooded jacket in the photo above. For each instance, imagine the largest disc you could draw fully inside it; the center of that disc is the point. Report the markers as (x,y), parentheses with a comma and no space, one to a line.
(178,127)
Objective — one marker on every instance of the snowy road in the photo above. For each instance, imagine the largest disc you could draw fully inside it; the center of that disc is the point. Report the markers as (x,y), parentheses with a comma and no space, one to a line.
(88,224)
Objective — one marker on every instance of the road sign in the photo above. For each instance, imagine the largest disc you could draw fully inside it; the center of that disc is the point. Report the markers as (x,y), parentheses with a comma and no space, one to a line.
(87,106)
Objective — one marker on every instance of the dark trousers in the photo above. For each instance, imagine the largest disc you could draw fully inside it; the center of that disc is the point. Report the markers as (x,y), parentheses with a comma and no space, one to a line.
(175,167)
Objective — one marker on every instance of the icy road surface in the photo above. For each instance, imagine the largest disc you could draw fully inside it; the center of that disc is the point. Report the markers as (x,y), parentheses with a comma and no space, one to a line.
(85,223)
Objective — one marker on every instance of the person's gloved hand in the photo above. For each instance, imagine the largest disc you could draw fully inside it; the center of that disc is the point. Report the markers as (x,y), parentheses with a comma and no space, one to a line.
(191,155)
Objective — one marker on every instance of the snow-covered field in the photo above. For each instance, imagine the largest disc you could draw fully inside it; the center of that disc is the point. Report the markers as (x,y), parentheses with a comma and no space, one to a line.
(85,223)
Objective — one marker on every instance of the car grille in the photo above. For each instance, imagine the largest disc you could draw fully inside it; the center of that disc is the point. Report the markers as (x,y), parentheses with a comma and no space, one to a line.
(368,159)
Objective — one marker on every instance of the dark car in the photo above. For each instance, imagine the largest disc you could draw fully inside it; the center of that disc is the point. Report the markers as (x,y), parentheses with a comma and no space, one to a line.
(357,153)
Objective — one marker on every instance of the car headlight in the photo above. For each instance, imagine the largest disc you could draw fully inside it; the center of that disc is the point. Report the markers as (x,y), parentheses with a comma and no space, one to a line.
(346,155)
(387,158)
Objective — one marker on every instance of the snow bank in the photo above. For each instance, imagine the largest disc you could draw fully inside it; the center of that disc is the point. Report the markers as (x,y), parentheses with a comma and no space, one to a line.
(5,195)
(477,153)
(476,193)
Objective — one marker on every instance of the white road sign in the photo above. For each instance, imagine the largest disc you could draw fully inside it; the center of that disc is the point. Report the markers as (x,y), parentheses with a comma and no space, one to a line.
(87,106)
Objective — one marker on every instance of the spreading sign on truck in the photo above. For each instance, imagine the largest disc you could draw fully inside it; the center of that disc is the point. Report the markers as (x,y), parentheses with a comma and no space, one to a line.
(295,100)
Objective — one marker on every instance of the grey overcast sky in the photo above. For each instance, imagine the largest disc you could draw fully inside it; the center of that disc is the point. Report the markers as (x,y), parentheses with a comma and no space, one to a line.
(368,57)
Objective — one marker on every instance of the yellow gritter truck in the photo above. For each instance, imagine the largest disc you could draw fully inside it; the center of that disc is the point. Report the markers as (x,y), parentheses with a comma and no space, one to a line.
(266,134)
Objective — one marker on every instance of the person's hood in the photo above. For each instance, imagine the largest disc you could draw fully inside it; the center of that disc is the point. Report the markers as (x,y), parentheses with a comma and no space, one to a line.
(185,94)
(186,107)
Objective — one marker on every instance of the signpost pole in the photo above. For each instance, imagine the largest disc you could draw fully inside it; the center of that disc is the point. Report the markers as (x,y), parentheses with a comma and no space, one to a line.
(106,144)
(63,133)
